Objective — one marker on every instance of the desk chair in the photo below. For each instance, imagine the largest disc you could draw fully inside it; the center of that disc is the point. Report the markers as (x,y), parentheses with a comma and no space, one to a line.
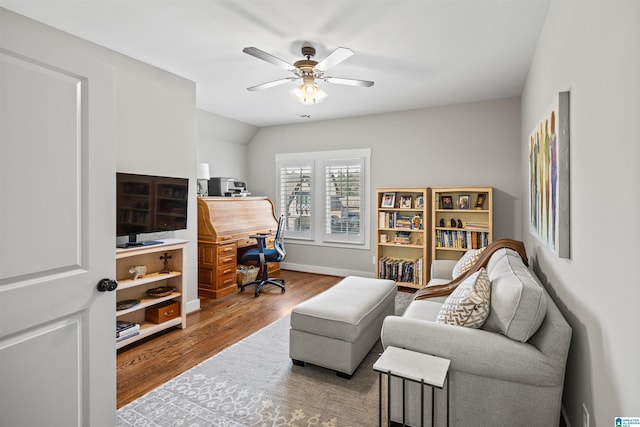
(262,255)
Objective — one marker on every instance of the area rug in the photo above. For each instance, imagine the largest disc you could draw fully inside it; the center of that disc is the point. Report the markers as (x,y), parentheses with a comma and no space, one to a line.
(254,383)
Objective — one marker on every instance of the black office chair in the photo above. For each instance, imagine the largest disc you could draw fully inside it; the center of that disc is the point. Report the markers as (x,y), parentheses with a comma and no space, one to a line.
(263,255)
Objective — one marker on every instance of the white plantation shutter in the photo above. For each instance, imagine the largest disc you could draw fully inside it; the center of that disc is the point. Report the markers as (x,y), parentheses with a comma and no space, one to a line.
(323,196)
(343,194)
(296,198)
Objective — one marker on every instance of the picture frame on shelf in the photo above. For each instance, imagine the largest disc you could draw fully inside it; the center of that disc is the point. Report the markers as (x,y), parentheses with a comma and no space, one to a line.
(463,201)
(446,202)
(388,200)
(416,222)
(480,200)
(405,202)
(419,201)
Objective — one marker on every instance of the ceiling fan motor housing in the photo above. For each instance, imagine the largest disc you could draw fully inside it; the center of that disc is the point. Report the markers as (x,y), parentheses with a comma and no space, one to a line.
(308,51)
(305,67)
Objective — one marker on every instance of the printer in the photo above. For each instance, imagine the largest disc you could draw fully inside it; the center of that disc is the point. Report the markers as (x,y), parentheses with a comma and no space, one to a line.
(225,186)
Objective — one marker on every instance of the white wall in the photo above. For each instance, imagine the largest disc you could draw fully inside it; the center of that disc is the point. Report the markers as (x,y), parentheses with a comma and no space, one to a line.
(593,50)
(469,144)
(156,135)
(222,143)
(155,132)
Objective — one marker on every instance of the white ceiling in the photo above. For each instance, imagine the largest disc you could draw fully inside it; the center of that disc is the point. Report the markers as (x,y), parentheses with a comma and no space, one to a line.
(420,53)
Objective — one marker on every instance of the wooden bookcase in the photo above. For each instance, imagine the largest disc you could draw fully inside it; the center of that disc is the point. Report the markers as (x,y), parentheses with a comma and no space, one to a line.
(402,237)
(129,289)
(471,209)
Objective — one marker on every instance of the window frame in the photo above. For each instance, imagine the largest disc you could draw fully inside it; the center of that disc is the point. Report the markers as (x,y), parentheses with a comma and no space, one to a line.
(319,160)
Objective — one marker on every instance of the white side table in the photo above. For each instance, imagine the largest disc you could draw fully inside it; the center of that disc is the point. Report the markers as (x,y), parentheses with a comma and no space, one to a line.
(409,365)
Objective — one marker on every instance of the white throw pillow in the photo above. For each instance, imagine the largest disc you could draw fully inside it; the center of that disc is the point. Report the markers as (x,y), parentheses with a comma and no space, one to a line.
(518,300)
(468,305)
(465,263)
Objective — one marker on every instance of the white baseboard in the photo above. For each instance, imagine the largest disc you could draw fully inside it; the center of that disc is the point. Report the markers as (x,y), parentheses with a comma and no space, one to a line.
(325,270)
(193,305)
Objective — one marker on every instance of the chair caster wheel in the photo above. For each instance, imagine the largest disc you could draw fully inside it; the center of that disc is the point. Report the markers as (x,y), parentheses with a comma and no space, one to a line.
(282,292)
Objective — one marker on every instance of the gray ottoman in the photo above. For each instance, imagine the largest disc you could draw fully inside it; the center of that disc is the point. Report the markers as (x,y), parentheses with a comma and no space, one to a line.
(337,328)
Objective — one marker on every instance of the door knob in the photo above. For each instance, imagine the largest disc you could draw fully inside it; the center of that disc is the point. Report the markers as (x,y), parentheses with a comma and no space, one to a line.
(107,285)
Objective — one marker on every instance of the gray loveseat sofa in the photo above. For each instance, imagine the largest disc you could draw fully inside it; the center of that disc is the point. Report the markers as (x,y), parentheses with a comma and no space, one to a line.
(510,372)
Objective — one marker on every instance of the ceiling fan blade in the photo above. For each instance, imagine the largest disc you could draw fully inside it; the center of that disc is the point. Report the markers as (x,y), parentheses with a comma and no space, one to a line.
(348,82)
(334,58)
(272,84)
(260,54)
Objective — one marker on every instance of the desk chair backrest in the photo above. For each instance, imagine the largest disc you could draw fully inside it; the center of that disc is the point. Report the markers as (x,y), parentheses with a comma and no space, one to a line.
(278,242)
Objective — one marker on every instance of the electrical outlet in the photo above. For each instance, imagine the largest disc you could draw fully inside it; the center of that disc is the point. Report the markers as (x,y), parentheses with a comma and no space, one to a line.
(373,260)
(585,416)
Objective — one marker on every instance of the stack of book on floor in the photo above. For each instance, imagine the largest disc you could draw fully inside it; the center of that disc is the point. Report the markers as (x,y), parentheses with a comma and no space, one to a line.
(125,329)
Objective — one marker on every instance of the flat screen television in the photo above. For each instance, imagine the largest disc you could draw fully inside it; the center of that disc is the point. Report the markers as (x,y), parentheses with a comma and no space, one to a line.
(149,204)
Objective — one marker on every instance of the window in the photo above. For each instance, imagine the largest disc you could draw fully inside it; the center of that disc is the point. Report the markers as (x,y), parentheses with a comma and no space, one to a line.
(295,201)
(323,196)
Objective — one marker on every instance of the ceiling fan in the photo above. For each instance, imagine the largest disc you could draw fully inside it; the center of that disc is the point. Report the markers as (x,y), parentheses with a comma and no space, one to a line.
(308,70)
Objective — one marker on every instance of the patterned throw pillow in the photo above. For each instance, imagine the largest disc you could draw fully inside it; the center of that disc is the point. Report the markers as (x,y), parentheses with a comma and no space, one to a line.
(468,305)
(465,263)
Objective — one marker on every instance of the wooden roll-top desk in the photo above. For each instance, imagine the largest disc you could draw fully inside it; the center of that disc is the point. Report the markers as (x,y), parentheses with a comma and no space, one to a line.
(224,227)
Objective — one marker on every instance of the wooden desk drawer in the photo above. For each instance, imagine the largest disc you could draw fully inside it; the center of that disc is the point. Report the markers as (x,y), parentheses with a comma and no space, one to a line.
(248,243)
(226,280)
(226,269)
(227,260)
(273,268)
(226,250)
(227,255)
(243,243)
(211,275)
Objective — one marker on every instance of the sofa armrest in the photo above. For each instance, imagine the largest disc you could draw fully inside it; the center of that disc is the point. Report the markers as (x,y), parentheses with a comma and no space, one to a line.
(474,351)
(442,268)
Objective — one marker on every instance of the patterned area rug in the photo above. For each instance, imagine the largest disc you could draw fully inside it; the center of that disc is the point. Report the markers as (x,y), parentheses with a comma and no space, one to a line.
(254,383)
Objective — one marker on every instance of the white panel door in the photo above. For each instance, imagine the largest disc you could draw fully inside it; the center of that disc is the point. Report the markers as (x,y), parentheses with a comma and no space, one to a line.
(57,235)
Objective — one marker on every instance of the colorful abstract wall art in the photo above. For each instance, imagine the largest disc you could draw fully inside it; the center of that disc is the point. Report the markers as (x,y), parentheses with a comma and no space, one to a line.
(549,177)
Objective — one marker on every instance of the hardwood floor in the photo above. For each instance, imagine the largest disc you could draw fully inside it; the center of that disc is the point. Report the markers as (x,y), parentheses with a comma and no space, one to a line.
(219,323)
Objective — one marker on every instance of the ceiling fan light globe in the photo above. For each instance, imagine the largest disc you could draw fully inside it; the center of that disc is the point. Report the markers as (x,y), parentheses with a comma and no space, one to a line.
(308,94)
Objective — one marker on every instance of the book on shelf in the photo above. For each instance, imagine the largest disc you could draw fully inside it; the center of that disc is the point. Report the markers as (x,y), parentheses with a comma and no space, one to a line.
(129,334)
(461,239)
(401,270)
(399,220)
(125,328)
(385,219)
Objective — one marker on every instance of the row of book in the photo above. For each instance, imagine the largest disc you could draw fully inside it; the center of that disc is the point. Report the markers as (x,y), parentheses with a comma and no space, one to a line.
(125,329)
(401,270)
(461,239)
(399,220)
